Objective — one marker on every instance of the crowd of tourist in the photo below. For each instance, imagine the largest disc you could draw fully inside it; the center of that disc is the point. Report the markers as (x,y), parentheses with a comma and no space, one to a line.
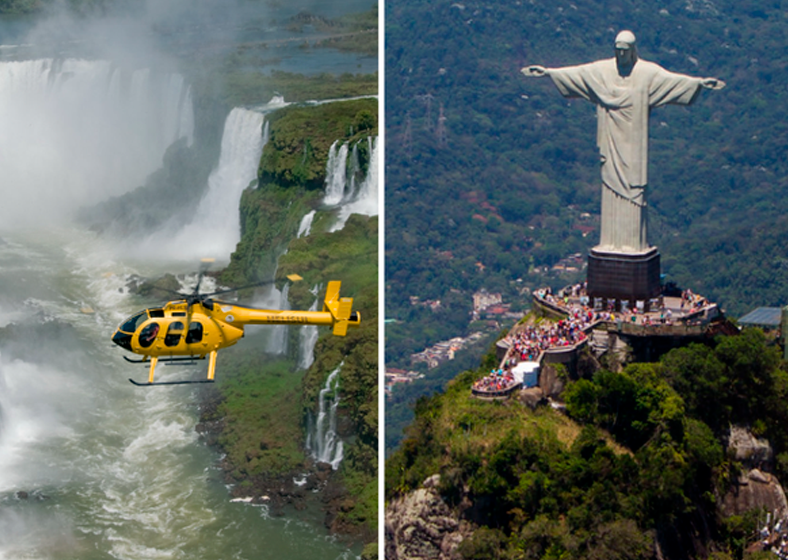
(527,344)
(692,301)
(497,381)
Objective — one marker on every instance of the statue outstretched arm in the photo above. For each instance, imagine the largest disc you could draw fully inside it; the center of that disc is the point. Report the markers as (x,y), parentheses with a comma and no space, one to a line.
(712,83)
(535,71)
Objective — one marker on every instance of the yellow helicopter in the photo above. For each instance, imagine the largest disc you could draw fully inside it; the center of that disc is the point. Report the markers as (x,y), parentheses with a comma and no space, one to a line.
(197,326)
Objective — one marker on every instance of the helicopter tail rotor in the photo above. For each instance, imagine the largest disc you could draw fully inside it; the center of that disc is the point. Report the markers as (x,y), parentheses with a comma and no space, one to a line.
(340,309)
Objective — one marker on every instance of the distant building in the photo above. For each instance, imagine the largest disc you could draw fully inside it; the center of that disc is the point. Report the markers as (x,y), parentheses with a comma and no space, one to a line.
(483,301)
(396,376)
(443,351)
(572,263)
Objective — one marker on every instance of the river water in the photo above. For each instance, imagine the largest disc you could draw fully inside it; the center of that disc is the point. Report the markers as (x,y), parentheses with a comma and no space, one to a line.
(90,466)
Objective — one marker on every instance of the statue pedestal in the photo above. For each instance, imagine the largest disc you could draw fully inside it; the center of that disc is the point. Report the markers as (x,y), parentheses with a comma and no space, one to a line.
(624,276)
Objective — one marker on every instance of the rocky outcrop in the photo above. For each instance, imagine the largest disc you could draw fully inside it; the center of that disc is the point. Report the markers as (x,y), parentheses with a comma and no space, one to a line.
(532,397)
(421,526)
(750,451)
(551,384)
(753,490)
(755,487)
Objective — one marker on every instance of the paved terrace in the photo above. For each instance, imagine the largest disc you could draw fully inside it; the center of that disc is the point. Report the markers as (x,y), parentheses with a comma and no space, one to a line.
(685,315)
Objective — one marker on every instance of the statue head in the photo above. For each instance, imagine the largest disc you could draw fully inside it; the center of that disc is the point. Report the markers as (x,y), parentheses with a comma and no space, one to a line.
(626,52)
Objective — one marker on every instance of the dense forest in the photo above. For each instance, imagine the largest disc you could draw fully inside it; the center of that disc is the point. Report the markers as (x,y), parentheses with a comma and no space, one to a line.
(491,177)
(641,465)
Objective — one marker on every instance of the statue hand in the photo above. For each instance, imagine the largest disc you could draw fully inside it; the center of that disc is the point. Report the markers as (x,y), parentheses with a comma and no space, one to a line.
(712,83)
(534,71)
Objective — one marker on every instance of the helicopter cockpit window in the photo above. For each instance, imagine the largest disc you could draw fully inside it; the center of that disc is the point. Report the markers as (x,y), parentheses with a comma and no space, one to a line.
(148,334)
(131,324)
(195,332)
(174,333)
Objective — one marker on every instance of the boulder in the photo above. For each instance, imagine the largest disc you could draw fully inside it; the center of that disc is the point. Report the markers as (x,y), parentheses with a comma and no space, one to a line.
(755,489)
(549,381)
(750,451)
(421,526)
(532,397)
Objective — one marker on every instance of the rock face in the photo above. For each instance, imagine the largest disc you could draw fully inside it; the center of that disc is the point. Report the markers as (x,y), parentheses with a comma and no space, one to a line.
(549,382)
(421,526)
(755,488)
(750,451)
(532,397)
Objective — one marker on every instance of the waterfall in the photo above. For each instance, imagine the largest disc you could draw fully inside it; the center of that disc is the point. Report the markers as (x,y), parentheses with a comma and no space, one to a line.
(215,228)
(355,169)
(274,299)
(323,442)
(366,200)
(307,339)
(336,174)
(306,225)
(77,132)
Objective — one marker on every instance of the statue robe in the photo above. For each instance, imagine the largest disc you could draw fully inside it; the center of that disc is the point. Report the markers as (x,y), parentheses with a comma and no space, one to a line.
(623,107)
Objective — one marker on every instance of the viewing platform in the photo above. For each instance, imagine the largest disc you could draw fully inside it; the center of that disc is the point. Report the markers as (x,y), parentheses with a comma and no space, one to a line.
(572,324)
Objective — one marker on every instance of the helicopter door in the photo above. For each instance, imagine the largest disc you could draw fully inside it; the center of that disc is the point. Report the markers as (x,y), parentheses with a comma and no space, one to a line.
(174,334)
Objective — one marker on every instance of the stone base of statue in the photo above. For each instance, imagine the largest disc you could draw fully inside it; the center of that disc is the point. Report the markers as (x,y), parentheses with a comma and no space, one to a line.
(629,277)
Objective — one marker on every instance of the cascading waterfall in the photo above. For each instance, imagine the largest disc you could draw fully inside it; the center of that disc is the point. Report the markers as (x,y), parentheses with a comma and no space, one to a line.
(60,117)
(341,191)
(336,173)
(271,298)
(306,225)
(216,227)
(323,442)
(354,172)
(308,338)
(366,200)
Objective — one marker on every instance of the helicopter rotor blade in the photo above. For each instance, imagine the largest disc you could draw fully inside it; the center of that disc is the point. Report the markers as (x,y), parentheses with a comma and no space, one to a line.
(291,277)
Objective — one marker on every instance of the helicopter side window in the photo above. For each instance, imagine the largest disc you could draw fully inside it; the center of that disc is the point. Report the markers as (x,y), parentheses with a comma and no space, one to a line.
(156,313)
(148,334)
(174,333)
(195,332)
(131,324)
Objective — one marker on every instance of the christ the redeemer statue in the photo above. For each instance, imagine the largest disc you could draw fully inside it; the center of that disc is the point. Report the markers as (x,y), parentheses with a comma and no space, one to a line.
(624,89)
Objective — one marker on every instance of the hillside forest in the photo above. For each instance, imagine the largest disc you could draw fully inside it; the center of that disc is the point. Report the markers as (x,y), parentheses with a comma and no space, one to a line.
(492,178)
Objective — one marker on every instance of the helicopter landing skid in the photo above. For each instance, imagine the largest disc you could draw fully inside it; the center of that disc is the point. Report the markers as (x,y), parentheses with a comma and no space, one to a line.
(155,360)
(167,361)
(138,384)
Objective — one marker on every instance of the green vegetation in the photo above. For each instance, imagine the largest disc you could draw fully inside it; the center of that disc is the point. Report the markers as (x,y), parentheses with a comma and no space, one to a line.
(640,456)
(261,412)
(351,32)
(297,151)
(253,88)
(350,255)
(270,216)
(513,181)
(291,176)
